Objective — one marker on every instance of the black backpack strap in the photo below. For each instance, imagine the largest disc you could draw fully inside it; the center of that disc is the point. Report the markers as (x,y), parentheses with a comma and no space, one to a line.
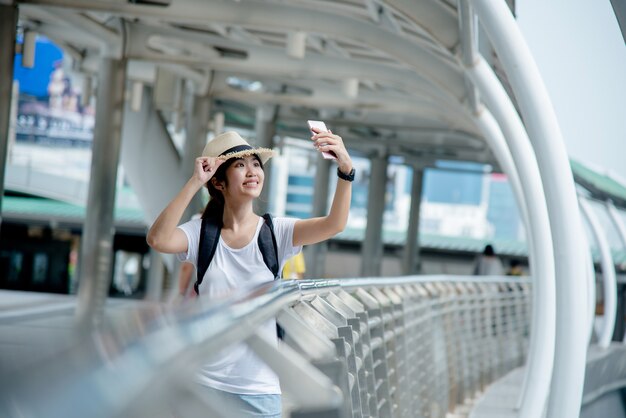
(209,238)
(268,247)
(269,250)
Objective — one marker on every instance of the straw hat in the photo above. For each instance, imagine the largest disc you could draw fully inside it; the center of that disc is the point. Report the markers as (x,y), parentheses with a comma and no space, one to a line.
(231,145)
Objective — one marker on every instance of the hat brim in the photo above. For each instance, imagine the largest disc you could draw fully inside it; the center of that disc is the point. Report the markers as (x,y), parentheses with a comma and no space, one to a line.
(264,154)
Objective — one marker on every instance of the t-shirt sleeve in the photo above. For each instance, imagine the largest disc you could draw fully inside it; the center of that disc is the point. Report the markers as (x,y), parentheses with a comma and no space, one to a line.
(283,230)
(192,231)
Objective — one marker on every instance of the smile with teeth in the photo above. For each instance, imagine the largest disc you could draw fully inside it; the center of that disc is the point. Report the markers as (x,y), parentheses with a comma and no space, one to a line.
(251,183)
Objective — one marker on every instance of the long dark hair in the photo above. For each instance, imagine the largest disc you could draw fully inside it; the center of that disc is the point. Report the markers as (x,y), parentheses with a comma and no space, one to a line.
(215,208)
(488,251)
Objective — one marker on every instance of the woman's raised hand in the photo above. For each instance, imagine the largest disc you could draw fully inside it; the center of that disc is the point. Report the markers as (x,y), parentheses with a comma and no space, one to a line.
(205,168)
(329,142)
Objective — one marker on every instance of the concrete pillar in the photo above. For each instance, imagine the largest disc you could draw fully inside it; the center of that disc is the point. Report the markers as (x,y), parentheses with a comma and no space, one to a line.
(97,240)
(372,249)
(198,110)
(265,129)
(317,253)
(411,258)
(156,273)
(8,28)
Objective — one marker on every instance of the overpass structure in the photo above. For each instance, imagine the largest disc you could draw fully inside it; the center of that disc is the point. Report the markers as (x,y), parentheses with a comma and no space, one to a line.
(424,80)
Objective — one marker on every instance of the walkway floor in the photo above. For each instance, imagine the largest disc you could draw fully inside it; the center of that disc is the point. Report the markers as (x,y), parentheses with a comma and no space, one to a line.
(501,397)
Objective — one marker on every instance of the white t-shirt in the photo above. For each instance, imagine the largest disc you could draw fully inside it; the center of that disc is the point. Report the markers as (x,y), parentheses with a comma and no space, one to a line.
(488,266)
(237,369)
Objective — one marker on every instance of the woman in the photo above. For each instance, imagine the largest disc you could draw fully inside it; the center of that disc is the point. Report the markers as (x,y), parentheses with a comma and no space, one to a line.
(233,173)
(488,263)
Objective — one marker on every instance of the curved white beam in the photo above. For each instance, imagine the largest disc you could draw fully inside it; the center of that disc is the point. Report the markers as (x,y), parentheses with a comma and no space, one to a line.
(110,42)
(591,287)
(437,18)
(608,274)
(52,24)
(543,130)
(619,225)
(617,221)
(497,143)
(542,341)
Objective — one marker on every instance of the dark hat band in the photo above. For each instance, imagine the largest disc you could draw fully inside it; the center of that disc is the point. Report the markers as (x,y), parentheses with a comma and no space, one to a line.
(238,148)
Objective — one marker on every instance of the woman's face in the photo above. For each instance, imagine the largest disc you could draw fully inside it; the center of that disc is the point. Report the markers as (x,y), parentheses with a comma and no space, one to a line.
(244,178)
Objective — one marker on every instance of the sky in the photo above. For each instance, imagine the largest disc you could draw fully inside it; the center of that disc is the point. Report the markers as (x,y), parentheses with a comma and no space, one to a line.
(581,54)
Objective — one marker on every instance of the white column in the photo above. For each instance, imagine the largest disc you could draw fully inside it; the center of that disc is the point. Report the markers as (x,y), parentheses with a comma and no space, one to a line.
(265,128)
(198,110)
(542,126)
(156,273)
(98,228)
(608,274)
(28,49)
(411,257)
(317,252)
(372,250)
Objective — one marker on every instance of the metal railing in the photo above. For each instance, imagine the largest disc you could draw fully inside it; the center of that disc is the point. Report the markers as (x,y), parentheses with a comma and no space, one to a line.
(415,346)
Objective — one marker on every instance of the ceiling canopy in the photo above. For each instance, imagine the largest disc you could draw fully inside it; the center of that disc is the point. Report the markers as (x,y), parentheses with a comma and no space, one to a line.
(386,75)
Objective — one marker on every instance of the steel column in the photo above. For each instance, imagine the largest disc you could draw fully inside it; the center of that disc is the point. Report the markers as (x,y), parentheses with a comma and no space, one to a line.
(97,240)
(411,258)
(317,252)
(372,249)
(265,129)
(198,110)
(154,283)
(8,29)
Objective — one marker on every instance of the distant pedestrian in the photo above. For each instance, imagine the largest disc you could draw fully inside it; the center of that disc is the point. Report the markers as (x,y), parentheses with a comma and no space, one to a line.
(515,268)
(488,263)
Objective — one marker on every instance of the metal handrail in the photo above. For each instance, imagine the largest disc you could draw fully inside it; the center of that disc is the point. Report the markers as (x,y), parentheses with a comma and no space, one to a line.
(130,368)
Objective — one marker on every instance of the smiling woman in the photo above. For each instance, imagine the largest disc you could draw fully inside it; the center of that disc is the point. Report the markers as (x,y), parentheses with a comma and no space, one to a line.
(233,173)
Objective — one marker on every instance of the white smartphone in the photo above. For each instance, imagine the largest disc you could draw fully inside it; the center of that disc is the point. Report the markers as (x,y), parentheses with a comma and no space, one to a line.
(318,124)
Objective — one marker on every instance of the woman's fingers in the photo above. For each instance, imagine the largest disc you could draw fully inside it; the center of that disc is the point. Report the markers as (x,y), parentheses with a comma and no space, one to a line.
(334,139)
(206,167)
(329,142)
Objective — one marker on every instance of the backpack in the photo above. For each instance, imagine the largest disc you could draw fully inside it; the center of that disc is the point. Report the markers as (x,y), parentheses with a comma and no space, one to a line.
(210,236)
